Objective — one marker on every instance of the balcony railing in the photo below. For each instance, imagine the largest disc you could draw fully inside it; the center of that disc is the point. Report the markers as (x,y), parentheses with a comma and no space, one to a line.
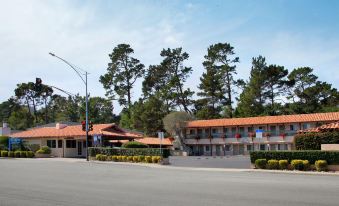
(266,133)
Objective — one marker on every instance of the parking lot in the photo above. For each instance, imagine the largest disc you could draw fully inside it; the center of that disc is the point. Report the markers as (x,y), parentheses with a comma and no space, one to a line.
(238,162)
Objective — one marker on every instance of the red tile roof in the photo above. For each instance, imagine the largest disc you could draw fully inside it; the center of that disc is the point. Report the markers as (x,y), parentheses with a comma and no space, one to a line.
(75,131)
(155,141)
(316,117)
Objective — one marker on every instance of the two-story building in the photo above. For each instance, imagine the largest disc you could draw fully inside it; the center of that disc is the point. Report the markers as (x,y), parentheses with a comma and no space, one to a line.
(239,136)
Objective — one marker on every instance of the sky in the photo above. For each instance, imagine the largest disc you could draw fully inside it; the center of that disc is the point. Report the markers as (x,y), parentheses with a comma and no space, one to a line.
(292,33)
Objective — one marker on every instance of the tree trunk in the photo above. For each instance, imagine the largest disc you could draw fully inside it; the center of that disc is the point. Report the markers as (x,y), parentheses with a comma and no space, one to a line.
(229,94)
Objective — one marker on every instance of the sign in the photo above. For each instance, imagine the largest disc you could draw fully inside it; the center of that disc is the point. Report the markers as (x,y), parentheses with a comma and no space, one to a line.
(15,141)
(258,133)
(96,140)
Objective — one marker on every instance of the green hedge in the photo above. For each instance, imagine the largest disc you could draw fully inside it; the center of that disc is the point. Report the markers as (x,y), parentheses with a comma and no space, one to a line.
(332,157)
(93,151)
(134,144)
(313,141)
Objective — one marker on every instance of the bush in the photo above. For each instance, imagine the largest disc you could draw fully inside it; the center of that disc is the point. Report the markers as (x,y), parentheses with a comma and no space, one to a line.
(4,153)
(313,140)
(23,154)
(142,158)
(17,154)
(297,164)
(10,154)
(283,164)
(93,151)
(134,144)
(260,163)
(119,158)
(98,157)
(307,165)
(332,157)
(124,158)
(29,154)
(109,158)
(114,158)
(273,164)
(321,165)
(130,158)
(45,150)
(136,158)
(148,159)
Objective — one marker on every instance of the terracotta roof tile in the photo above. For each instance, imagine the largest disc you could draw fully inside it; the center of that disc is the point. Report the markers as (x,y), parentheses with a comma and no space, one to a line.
(155,141)
(75,130)
(316,117)
(323,128)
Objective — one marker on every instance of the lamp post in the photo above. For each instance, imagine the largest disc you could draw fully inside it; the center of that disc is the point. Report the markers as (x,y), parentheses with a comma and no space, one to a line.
(85,82)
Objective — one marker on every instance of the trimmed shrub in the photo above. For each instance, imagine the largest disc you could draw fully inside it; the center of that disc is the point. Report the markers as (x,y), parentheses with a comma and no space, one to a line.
(17,154)
(93,151)
(29,154)
(124,158)
(297,164)
(10,154)
(273,164)
(98,157)
(119,158)
(307,165)
(130,158)
(283,164)
(134,144)
(109,158)
(148,159)
(332,157)
(321,165)
(260,163)
(4,153)
(114,158)
(22,154)
(136,159)
(313,140)
(46,150)
(142,158)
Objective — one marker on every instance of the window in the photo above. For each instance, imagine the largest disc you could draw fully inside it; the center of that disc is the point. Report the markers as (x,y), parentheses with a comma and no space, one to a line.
(249,147)
(51,143)
(225,130)
(199,131)
(281,127)
(207,148)
(59,143)
(84,144)
(262,147)
(227,147)
(234,130)
(207,131)
(291,127)
(71,144)
(192,131)
(250,129)
(214,131)
(306,126)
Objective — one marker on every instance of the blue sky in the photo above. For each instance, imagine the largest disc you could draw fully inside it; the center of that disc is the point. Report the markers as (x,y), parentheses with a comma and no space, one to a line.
(291,33)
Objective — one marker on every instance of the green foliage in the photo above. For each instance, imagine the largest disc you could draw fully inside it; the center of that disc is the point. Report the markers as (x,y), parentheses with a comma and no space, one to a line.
(134,144)
(100,110)
(313,141)
(283,164)
(17,154)
(307,165)
(148,159)
(44,150)
(175,121)
(321,165)
(122,72)
(4,141)
(29,154)
(21,119)
(297,164)
(260,163)
(23,154)
(10,154)
(4,153)
(332,157)
(273,164)
(93,151)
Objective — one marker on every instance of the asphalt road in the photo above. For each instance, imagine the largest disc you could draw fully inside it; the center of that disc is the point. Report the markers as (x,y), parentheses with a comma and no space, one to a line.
(239,162)
(32,182)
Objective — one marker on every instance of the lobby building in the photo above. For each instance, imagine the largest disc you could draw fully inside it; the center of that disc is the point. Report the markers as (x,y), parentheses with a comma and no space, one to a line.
(239,136)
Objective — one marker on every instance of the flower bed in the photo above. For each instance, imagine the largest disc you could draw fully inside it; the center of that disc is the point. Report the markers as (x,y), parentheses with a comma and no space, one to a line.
(135,159)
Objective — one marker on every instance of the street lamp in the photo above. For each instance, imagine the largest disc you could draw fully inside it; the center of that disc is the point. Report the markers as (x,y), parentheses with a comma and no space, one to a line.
(85,82)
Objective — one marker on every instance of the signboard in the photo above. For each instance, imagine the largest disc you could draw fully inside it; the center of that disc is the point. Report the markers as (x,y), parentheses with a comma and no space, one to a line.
(96,140)
(13,141)
(258,133)
(160,135)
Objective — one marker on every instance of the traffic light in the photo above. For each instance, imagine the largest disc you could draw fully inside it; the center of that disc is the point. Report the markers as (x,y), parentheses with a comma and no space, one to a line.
(83,124)
(90,126)
(38,84)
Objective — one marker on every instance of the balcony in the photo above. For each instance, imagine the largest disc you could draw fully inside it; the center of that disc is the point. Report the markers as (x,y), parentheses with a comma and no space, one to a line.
(268,133)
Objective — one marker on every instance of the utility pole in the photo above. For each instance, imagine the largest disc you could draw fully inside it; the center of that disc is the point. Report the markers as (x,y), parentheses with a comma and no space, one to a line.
(85,82)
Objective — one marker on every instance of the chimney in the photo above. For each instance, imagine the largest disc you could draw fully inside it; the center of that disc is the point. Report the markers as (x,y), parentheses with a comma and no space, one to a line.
(60,126)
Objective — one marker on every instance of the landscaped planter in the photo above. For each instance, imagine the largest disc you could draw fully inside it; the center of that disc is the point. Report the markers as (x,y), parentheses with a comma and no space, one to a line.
(39,155)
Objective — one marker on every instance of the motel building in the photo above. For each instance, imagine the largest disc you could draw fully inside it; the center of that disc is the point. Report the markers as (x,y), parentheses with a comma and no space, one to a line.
(239,136)
(70,141)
